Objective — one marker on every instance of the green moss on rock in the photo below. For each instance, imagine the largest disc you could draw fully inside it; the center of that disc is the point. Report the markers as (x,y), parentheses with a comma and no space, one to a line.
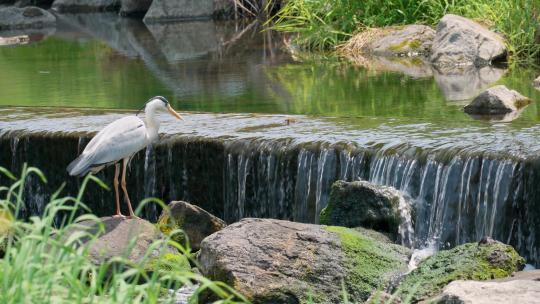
(472,261)
(168,262)
(362,204)
(371,263)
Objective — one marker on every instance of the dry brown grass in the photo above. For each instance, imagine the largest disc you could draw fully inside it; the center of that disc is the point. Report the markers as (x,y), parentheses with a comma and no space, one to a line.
(355,49)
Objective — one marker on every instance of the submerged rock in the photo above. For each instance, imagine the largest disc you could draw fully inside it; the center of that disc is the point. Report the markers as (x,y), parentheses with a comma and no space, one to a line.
(163,10)
(193,220)
(536,83)
(12,18)
(275,261)
(461,41)
(134,7)
(497,100)
(85,6)
(361,203)
(472,261)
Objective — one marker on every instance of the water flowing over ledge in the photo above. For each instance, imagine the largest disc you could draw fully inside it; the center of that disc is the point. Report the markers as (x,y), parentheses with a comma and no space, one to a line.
(465,183)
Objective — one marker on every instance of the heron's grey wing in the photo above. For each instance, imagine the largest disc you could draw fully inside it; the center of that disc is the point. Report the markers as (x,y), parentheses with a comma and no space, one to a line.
(118,140)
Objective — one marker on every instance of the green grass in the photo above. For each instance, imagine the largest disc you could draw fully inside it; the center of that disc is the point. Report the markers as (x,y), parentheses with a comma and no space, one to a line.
(43,263)
(324,24)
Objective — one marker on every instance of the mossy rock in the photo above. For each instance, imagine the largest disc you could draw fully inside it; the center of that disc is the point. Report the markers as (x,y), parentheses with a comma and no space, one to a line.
(168,262)
(472,261)
(362,204)
(275,261)
(371,261)
(195,223)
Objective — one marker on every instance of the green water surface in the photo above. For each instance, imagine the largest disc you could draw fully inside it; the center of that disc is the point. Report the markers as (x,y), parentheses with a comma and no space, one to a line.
(253,74)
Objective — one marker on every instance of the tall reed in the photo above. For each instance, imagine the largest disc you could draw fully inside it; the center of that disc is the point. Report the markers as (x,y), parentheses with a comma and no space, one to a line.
(45,262)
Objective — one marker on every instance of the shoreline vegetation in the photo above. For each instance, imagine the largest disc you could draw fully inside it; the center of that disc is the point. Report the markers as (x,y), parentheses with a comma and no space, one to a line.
(48,259)
(326,25)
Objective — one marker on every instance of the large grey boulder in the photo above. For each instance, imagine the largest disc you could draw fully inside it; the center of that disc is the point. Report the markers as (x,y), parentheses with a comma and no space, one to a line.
(364,204)
(465,82)
(85,6)
(460,41)
(134,7)
(536,83)
(163,10)
(196,222)
(524,287)
(12,18)
(275,261)
(497,100)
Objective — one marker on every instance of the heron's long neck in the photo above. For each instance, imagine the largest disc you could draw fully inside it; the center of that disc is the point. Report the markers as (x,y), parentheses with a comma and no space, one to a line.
(152,124)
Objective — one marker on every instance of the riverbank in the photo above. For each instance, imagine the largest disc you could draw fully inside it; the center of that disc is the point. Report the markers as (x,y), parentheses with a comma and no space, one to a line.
(324,25)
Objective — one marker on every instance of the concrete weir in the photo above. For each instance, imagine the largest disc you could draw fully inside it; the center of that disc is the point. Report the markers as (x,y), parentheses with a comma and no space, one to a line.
(465,184)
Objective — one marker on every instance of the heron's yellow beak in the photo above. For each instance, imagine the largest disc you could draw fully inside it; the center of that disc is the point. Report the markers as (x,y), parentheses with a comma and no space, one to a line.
(173,112)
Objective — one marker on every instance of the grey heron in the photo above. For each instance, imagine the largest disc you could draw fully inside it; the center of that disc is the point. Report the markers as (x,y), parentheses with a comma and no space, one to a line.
(119,141)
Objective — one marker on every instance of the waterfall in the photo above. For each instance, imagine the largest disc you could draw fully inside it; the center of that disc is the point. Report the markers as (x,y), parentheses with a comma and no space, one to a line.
(456,196)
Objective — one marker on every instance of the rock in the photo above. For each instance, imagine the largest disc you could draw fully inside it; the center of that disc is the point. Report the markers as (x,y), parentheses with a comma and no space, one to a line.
(524,287)
(117,238)
(163,10)
(275,261)
(497,100)
(361,203)
(465,82)
(22,18)
(6,220)
(460,41)
(85,6)
(536,83)
(21,39)
(134,7)
(471,261)
(410,40)
(193,220)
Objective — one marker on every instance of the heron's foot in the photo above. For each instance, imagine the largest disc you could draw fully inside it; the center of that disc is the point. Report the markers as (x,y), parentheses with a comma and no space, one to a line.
(133,216)
(119,215)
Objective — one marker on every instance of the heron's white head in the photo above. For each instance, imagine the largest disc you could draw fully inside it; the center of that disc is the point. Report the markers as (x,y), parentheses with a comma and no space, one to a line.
(160,104)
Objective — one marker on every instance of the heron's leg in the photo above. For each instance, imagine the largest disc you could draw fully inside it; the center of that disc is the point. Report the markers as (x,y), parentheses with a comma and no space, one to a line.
(126,196)
(116,194)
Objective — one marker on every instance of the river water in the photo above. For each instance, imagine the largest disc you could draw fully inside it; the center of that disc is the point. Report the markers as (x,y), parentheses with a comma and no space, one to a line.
(267,130)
